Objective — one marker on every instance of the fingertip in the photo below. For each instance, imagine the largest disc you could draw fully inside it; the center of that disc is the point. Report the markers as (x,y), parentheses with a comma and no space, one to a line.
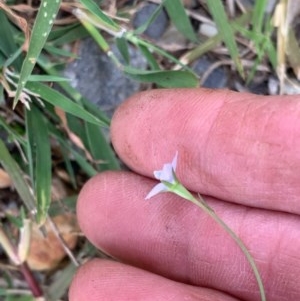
(91,200)
(238,147)
(79,289)
(101,279)
(104,202)
(151,125)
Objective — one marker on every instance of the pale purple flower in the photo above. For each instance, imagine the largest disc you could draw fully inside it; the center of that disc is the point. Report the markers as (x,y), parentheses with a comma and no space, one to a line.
(167,174)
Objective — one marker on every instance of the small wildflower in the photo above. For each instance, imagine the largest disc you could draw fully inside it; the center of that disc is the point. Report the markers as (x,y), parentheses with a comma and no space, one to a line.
(170,183)
(166,175)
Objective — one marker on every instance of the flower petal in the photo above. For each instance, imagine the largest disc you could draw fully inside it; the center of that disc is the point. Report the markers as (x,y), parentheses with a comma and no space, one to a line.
(160,187)
(174,161)
(167,172)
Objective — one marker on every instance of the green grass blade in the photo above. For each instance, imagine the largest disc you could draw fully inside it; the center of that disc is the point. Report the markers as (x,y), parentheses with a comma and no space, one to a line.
(14,171)
(180,19)
(80,159)
(151,19)
(54,51)
(218,13)
(57,99)
(166,79)
(212,42)
(61,31)
(271,49)
(96,35)
(123,49)
(73,34)
(69,167)
(37,132)
(102,18)
(12,132)
(57,289)
(42,26)
(149,57)
(100,148)
(153,48)
(13,58)
(2,60)
(55,132)
(272,55)
(7,44)
(83,163)
(2,97)
(258,16)
(47,78)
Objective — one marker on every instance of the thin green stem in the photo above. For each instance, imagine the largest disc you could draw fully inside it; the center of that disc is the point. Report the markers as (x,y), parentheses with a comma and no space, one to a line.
(183,192)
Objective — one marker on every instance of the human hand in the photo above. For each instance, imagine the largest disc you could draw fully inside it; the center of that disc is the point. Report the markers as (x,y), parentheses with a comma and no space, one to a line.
(240,150)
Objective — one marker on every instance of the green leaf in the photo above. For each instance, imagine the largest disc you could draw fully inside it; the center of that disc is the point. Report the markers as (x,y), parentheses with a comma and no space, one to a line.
(57,99)
(166,79)
(41,29)
(15,173)
(218,13)
(180,19)
(39,143)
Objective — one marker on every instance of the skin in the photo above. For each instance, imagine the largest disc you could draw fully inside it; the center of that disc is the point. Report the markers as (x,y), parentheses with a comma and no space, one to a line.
(242,153)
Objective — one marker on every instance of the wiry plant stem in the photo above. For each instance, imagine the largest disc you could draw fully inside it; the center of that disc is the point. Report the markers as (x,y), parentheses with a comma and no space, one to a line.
(31,281)
(204,206)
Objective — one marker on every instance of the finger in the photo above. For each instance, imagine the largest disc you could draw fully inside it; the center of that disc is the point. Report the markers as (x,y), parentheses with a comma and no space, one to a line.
(171,237)
(233,146)
(107,280)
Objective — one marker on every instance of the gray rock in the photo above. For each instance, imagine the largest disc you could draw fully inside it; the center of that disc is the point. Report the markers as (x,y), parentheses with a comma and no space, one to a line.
(97,78)
(259,88)
(216,79)
(157,27)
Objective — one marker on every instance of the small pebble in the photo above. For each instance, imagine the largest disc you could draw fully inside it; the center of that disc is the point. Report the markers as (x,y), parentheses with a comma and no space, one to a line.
(217,78)
(156,29)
